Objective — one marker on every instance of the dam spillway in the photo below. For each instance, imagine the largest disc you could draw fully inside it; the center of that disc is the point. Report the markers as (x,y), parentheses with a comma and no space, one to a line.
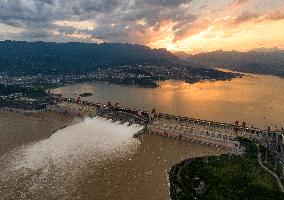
(221,135)
(83,162)
(50,168)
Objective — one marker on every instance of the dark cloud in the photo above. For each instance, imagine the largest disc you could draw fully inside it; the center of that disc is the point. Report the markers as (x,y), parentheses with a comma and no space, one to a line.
(167,3)
(35,34)
(116,20)
(132,21)
(259,17)
(245,16)
(47,1)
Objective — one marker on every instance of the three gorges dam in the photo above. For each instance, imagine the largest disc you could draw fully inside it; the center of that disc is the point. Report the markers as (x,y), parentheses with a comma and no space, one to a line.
(219,135)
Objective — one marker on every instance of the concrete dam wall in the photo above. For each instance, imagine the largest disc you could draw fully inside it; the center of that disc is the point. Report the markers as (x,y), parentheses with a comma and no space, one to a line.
(217,134)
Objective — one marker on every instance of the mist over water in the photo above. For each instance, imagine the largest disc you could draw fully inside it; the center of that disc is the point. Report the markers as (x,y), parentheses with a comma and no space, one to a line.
(52,167)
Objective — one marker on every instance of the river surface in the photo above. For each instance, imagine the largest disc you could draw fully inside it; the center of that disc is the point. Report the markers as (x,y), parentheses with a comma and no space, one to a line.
(255,99)
(94,159)
(81,161)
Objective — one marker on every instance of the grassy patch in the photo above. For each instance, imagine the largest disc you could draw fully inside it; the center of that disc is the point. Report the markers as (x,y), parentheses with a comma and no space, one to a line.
(269,161)
(224,177)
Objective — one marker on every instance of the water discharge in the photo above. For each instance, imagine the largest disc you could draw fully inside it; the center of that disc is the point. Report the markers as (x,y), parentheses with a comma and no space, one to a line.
(52,167)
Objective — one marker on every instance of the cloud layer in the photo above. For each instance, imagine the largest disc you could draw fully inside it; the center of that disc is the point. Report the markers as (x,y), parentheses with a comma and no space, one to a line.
(113,20)
(129,21)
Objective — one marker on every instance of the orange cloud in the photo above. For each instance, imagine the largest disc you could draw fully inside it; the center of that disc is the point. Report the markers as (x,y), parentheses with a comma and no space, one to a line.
(246,31)
(225,24)
(243,32)
(191,29)
(249,17)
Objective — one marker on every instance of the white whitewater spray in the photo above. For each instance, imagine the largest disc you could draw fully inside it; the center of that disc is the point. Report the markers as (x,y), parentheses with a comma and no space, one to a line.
(50,166)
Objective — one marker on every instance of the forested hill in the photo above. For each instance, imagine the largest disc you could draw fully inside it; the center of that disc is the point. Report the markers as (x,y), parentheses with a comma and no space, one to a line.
(262,61)
(61,58)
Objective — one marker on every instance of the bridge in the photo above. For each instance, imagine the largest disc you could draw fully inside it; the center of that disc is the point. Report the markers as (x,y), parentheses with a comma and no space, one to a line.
(221,135)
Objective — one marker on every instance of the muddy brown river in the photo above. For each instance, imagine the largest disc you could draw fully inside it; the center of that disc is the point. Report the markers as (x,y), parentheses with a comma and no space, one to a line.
(97,160)
(83,162)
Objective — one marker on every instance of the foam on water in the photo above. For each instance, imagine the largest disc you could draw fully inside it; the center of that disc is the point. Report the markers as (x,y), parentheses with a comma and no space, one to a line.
(55,163)
(91,139)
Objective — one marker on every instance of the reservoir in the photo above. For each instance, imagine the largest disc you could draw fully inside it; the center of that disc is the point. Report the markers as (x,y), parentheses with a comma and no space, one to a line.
(255,99)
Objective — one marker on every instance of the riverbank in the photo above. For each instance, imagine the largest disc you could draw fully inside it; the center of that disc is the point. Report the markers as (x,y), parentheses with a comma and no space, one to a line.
(21,127)
(223,177)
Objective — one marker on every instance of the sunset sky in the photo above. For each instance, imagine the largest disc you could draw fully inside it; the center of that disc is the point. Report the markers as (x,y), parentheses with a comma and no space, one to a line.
(179,25)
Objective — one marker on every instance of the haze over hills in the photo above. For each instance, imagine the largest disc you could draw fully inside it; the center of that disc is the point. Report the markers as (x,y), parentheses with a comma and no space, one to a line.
(260,61)
(49,58)
(20,58)
(62,63)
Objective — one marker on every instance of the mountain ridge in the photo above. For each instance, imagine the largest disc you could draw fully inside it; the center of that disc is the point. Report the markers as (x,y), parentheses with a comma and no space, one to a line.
(21,57)
(262,61)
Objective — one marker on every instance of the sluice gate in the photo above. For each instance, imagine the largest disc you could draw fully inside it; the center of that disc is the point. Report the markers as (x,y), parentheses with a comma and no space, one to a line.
(221,135)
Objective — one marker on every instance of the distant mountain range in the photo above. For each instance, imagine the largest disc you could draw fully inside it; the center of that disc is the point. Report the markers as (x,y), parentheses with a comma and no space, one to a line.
(22,58)
(259,61)
(64,58)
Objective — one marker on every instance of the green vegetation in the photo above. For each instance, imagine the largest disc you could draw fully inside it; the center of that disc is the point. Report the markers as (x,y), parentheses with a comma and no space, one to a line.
(269,161)
(21,58)
(224,177)
(28,91)
(14,96)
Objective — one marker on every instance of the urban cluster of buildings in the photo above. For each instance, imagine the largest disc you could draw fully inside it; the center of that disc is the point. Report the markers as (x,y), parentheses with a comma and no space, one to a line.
(137,75)
(23,101)
(39,80)
(189,74)
(180,73)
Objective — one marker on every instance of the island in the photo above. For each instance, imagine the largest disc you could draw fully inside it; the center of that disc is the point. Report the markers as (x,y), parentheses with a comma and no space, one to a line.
(86,94)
